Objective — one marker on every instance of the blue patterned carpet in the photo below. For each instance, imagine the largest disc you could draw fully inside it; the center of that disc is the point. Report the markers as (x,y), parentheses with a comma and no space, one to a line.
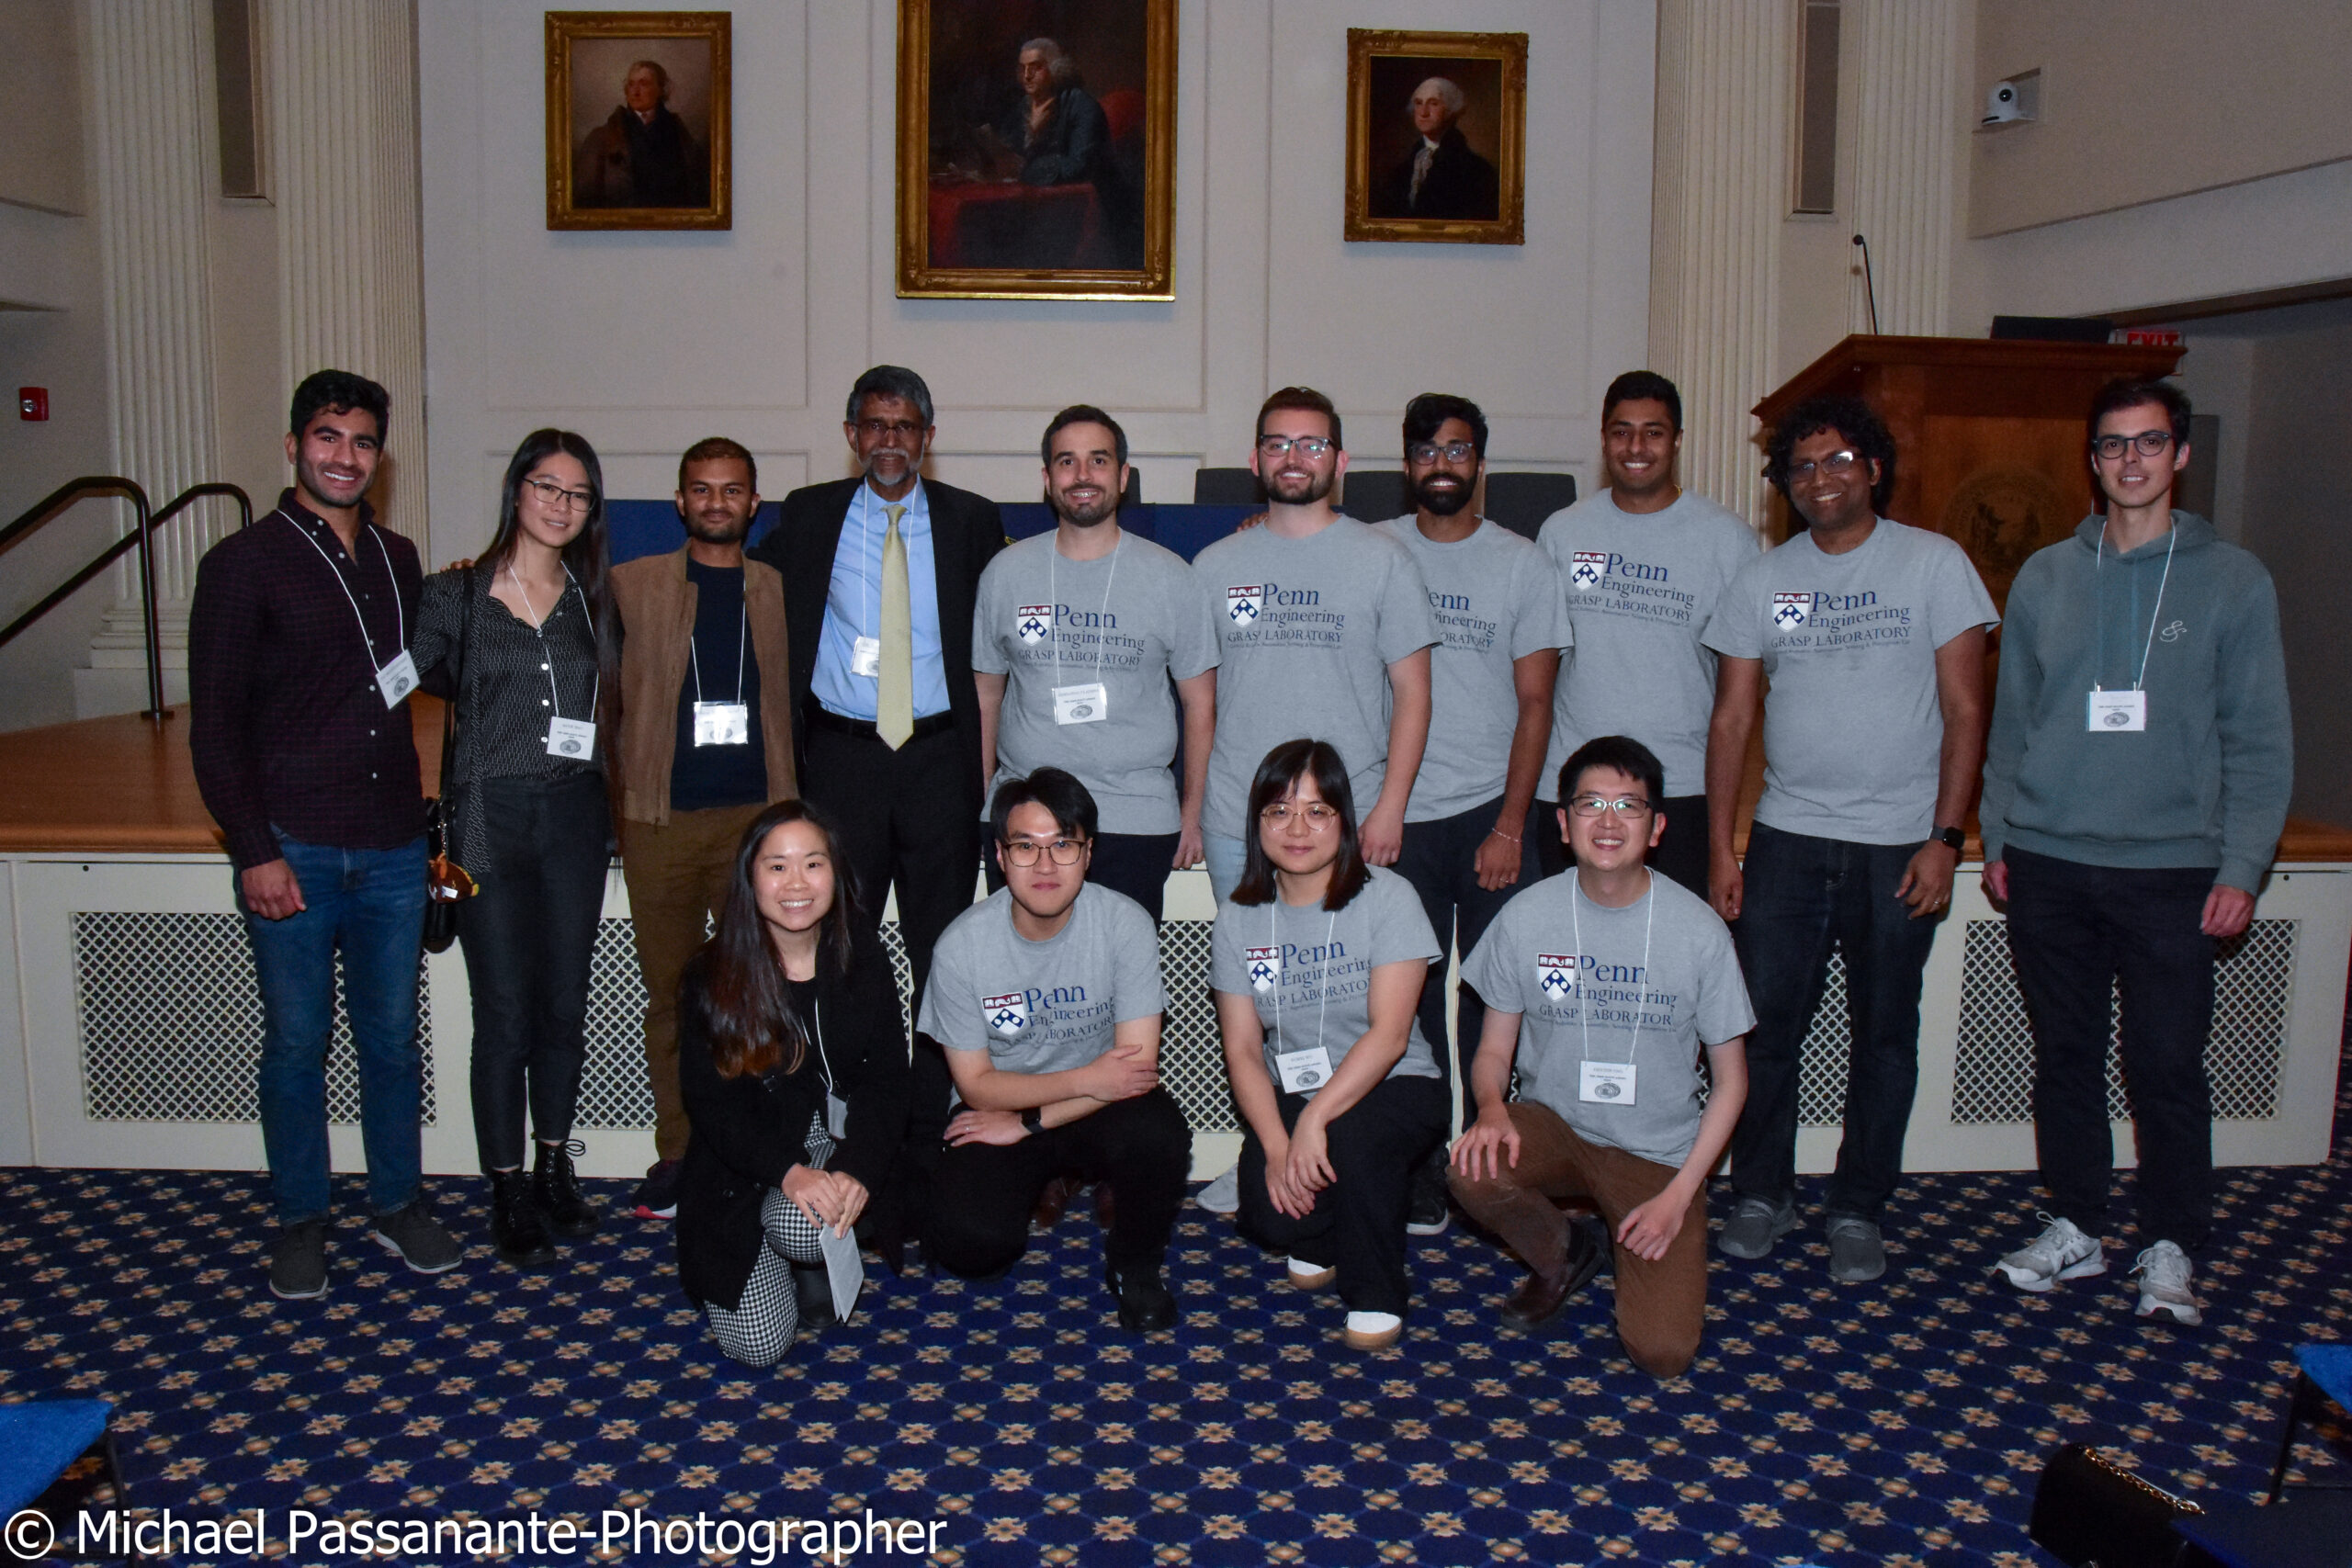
(1899,1424)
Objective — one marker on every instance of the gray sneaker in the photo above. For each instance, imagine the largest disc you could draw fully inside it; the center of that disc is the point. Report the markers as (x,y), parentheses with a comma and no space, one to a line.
(413,1232)
(298,1261)
(1755,1225)
(1222,1195)
(2164,1285)
(1855,1251)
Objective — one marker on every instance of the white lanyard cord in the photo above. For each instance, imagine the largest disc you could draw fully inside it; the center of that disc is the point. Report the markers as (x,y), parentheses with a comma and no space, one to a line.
(400,614)
(1274,935)
(743,632)
(1584,1004)
(1054,593)
(538,630)
(824,1063)
(2098,567)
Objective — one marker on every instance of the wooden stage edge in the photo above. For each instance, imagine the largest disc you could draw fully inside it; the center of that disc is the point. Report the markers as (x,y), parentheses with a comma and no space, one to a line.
(126,785)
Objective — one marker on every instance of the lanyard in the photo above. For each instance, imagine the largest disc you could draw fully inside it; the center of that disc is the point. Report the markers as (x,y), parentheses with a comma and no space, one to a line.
(400,614)
(1584,1004)
(1274,935)
(824,1063)
(1054,593)
(538,630)
(743,624)
(2098,565)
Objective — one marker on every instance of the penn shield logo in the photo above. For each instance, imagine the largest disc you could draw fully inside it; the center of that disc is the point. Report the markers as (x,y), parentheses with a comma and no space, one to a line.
(1008,1014)
(1264,964)
(1032,622)
(1555,974)
(1242,603)
(1791,609)
(1585,569)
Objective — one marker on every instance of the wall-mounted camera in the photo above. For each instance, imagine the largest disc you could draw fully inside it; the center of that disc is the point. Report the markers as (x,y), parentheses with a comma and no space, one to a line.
(2013,98)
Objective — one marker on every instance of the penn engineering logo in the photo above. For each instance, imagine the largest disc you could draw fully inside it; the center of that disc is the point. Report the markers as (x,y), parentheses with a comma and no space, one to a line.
(1032,622)
(1586,567)
(1791,609)
(1265,966)
(1008,1014)
(1555,974)
(1242,603)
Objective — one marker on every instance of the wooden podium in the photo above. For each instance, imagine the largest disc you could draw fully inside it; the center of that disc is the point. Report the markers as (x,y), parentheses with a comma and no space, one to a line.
(1990,434)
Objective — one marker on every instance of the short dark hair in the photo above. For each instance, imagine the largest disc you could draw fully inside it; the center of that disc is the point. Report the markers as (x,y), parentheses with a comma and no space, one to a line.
(1057,792)
(1280,770)
(1080,414)
(890,382)
(2128,394)
(338,392)
(1853,421)
(1430,410)
(1301,398)
(1623,753)
(718,449)
(1636,385)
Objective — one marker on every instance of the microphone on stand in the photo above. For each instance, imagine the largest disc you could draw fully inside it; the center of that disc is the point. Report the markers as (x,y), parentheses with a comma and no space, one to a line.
(1868,283)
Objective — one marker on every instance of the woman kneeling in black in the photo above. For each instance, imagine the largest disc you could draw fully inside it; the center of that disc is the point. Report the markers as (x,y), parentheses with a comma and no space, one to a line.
(793,1062)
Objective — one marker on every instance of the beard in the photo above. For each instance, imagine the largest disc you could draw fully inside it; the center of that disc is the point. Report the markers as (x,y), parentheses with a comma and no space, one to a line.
(732,531)
(1300,489)
(1441,501)
(1101,510)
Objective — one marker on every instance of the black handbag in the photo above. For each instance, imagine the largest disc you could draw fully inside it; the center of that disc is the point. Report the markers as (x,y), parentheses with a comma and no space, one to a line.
(2089,1510)
(446,884)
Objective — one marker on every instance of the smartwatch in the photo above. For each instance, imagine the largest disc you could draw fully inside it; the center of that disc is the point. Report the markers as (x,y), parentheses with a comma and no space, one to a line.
(1952,839)
(1032,1121)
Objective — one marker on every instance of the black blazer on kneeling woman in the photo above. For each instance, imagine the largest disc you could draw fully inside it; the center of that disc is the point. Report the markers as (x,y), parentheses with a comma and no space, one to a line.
(747,1132)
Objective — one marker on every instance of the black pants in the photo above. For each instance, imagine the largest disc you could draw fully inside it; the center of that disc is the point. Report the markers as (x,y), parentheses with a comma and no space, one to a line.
(1440,859)
(1134,863)
(527,937)
(1358,1222)
(977,1221)
(2078,931)
(1802,893)
(1681,852)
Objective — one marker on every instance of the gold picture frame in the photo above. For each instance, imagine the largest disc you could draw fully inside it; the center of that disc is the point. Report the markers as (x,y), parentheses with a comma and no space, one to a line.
(668,169)
(1460,194)
(1024,176)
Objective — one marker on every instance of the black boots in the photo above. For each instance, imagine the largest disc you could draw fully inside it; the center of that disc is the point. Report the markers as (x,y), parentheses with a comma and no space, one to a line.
(518,1229)
(556,1188)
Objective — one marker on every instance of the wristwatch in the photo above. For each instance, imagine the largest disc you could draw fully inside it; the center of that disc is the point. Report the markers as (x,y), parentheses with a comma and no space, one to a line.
(1952,839)
(1032,1121)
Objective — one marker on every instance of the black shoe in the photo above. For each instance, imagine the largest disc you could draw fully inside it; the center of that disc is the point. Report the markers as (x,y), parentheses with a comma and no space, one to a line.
(298,1261)
(656,1197)
(1425,1210)
(518,1230)
(1144,1302)
(812,1290)
(555,1187)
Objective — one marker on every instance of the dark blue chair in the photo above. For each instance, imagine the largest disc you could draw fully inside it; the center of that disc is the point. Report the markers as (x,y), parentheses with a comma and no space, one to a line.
(2323,1377)
(41,1439)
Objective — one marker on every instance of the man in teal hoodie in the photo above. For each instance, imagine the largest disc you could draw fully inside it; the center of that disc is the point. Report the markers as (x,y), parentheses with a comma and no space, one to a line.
(2135,785)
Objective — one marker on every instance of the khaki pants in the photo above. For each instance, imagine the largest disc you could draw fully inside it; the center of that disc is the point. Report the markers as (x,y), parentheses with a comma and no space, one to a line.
(677,875)
(1661,1306)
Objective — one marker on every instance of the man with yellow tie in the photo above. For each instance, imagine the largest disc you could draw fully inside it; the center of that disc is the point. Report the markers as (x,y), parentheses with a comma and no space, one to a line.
(881,572)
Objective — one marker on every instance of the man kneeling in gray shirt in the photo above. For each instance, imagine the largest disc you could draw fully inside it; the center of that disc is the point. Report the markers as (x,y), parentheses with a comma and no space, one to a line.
(1046,998)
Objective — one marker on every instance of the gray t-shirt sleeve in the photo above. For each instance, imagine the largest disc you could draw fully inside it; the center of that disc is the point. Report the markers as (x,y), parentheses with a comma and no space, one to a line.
(1400,926)
(1956,596)
(1489,970)
(1406,623)
(988,616)
(1224,952)
(1194,646)
(946,1014)
(1134,958)
(1737,628)
(1539,619)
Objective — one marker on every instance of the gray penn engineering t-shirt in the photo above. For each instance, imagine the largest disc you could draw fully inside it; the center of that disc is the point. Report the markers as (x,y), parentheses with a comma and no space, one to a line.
(1310,970)
(1309,627)
(1042,1006)
(1129,621)
(1643,984)
(1497,600)
(1639,590)
(1853,734)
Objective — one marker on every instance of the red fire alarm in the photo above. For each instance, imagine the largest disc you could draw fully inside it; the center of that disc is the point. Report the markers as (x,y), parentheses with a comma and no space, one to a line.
(32,402)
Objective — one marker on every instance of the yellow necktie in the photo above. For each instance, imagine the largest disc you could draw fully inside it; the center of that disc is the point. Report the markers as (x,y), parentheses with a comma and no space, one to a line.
(894,704)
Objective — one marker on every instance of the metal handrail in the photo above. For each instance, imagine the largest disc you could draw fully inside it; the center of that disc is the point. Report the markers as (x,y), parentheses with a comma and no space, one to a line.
(141,537)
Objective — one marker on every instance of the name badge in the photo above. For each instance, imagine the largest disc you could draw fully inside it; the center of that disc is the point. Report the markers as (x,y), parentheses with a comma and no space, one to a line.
(1304,1072)
(866,658)
(1606,1083)
(572,737)
(836,1115)
(722,724)
(397,680)
(2117,712)
(1088,703)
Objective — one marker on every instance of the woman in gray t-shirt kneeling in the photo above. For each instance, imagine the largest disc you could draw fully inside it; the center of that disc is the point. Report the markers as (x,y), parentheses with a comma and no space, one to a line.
(1316,963)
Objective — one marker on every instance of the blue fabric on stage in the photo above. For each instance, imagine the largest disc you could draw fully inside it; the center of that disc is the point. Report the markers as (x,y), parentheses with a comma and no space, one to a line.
(40,1438)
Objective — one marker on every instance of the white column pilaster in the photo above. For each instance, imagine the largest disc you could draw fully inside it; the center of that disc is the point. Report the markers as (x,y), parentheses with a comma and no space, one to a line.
(1905,92)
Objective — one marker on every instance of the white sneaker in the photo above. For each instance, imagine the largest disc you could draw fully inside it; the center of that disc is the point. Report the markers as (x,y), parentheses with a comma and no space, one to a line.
(1222,1195)
(1306,1276)
(2061,1252)
(1372,1330)
(2164,1285)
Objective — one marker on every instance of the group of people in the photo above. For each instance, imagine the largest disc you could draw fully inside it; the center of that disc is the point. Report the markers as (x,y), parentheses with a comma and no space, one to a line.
(1387,741)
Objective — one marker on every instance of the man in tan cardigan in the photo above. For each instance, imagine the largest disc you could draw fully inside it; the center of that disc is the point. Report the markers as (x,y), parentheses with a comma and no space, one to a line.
(706,743)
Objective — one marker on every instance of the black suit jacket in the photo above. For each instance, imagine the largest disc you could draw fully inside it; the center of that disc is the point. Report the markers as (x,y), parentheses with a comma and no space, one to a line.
(1460,185)
(967,531)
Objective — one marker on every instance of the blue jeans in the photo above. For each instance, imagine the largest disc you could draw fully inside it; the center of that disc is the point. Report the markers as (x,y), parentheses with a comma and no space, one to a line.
(370,904)
(1226,857)
(1802,893)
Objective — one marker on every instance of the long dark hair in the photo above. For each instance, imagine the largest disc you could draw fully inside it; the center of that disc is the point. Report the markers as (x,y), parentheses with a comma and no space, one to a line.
(1283,767)
(587,557)
(755,1028)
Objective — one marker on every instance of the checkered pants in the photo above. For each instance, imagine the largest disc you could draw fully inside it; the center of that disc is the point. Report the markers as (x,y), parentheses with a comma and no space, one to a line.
(760,1330)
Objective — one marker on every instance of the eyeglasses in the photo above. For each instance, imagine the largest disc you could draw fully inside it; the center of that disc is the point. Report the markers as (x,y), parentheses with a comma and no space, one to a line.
(1430,451)
(1316,815)
(1594,805)
(2148,443)
(1835,463)
(875,429)
(555,497)
(1308,445)
(1023,852)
